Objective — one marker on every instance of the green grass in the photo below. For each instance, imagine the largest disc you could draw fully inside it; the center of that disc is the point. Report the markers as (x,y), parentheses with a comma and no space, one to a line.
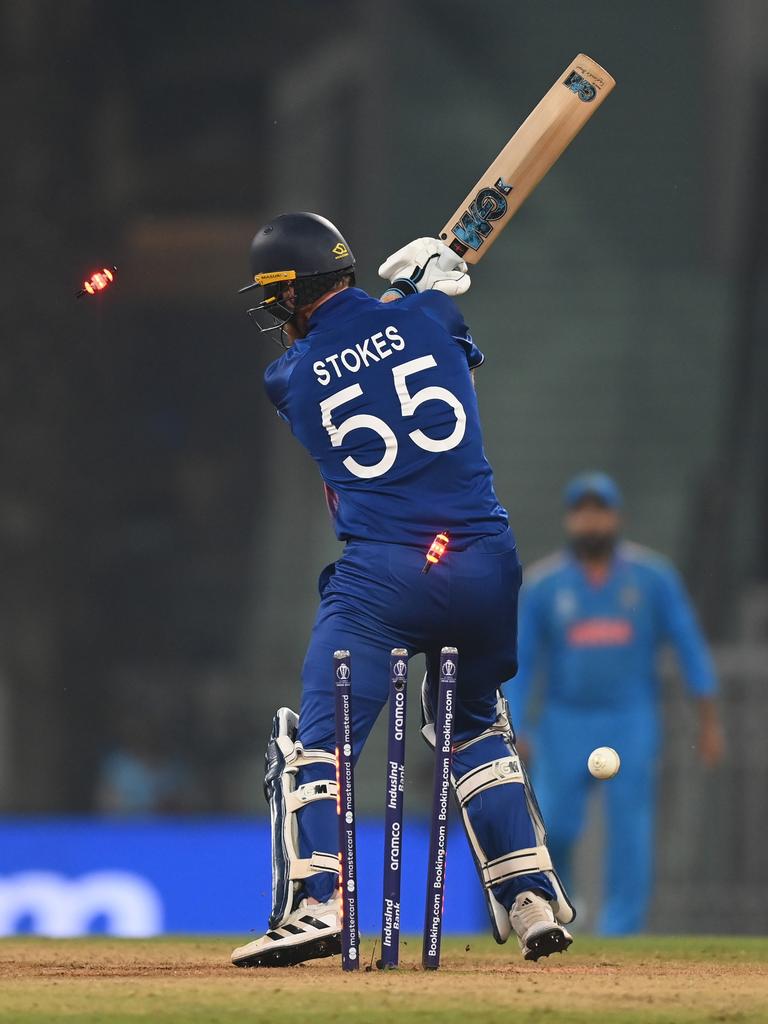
(669,980)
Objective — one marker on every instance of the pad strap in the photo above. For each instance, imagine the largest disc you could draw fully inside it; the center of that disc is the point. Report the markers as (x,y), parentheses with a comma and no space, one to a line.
(303,867)
(486,776)
(521,862)
(300,757)
(323,789)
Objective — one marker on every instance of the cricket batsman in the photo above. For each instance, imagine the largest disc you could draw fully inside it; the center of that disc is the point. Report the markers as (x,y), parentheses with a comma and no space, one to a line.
(381,394)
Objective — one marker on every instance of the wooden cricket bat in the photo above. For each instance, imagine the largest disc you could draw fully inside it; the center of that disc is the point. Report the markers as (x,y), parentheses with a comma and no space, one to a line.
(526,158)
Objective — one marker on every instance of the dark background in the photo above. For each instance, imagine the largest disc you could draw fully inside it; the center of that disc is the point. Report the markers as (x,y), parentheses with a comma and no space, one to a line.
(160,533)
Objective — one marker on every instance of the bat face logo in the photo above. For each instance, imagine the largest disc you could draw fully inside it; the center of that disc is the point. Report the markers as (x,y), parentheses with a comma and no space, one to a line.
(583,89)
(475,225)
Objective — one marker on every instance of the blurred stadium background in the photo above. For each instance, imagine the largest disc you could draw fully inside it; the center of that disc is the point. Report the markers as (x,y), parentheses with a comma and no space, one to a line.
(160,534)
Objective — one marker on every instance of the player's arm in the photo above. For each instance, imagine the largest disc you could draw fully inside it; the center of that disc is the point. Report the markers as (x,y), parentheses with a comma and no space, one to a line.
(428,267)
(683,631)
(711,740)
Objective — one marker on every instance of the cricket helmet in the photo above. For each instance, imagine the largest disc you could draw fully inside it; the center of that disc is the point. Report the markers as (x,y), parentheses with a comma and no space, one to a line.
(597,485)
(300,253)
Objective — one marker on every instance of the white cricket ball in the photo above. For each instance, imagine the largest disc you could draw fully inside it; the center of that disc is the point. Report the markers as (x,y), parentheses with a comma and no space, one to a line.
(604,763)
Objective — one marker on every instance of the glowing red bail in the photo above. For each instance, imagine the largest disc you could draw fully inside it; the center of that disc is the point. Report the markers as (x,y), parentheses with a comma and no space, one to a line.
(436,551)
(98,281)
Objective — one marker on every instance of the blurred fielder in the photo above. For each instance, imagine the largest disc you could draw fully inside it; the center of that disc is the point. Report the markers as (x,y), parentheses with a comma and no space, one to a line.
(592,621)
(381,395)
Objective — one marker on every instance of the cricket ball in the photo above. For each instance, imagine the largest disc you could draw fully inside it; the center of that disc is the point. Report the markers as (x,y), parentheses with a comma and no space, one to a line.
(604,763)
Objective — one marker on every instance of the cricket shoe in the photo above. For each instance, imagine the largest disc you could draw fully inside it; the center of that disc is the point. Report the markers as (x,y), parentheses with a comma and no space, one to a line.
(537,931)
(312,931)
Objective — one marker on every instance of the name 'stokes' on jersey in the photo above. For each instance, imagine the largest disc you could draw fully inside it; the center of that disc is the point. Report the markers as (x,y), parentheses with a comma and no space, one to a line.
(381,396)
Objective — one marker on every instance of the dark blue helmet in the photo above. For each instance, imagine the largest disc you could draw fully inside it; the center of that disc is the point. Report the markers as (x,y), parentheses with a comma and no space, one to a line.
(300,252)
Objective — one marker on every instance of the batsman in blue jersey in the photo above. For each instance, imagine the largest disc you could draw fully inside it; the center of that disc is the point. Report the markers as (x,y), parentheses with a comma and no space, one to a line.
(593,619)
(381,395)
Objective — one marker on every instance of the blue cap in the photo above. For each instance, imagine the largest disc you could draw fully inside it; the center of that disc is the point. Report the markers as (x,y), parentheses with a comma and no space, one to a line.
(592,485)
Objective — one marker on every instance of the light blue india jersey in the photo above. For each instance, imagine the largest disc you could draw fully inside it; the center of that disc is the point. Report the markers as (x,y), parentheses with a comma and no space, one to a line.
(596,644)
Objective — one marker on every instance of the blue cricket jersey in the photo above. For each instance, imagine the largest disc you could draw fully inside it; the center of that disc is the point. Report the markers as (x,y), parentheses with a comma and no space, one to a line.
(381,396)
(596,644)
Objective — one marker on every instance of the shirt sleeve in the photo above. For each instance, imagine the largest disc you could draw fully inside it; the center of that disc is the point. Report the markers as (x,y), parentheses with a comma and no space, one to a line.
(681,628)
(276,378)
(443,310)
(530,645)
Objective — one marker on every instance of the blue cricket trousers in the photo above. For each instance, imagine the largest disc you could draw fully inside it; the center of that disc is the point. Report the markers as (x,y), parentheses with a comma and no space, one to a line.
(376,598)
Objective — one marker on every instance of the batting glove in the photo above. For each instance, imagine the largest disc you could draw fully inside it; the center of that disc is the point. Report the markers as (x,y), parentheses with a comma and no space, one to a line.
(424,264)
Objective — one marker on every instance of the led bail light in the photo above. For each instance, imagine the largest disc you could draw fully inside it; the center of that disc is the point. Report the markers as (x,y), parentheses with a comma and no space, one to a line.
(436,551)
(97,282)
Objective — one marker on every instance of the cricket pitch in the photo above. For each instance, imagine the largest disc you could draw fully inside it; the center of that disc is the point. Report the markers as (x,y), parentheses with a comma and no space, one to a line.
(653,980)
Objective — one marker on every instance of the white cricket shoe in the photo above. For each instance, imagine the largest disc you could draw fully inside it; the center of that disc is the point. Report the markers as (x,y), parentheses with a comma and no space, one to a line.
(312,931)
(538,933)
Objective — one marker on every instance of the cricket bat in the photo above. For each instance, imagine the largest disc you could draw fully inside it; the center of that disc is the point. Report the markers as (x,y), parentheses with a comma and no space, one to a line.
(526,158)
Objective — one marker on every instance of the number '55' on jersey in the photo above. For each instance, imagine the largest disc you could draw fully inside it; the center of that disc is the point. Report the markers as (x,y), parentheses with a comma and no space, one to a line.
(381,396)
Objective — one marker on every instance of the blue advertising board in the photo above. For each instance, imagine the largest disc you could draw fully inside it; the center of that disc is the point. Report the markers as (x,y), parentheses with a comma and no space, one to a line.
(66,876)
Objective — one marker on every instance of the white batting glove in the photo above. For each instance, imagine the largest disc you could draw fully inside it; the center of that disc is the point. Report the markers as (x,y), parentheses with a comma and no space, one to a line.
(424,264)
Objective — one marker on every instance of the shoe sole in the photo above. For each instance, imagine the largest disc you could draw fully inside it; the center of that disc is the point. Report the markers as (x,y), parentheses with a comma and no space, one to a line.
(553,941)
(289,956)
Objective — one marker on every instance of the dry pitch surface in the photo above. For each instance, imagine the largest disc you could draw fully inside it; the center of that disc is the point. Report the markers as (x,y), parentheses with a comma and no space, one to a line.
(655,980)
